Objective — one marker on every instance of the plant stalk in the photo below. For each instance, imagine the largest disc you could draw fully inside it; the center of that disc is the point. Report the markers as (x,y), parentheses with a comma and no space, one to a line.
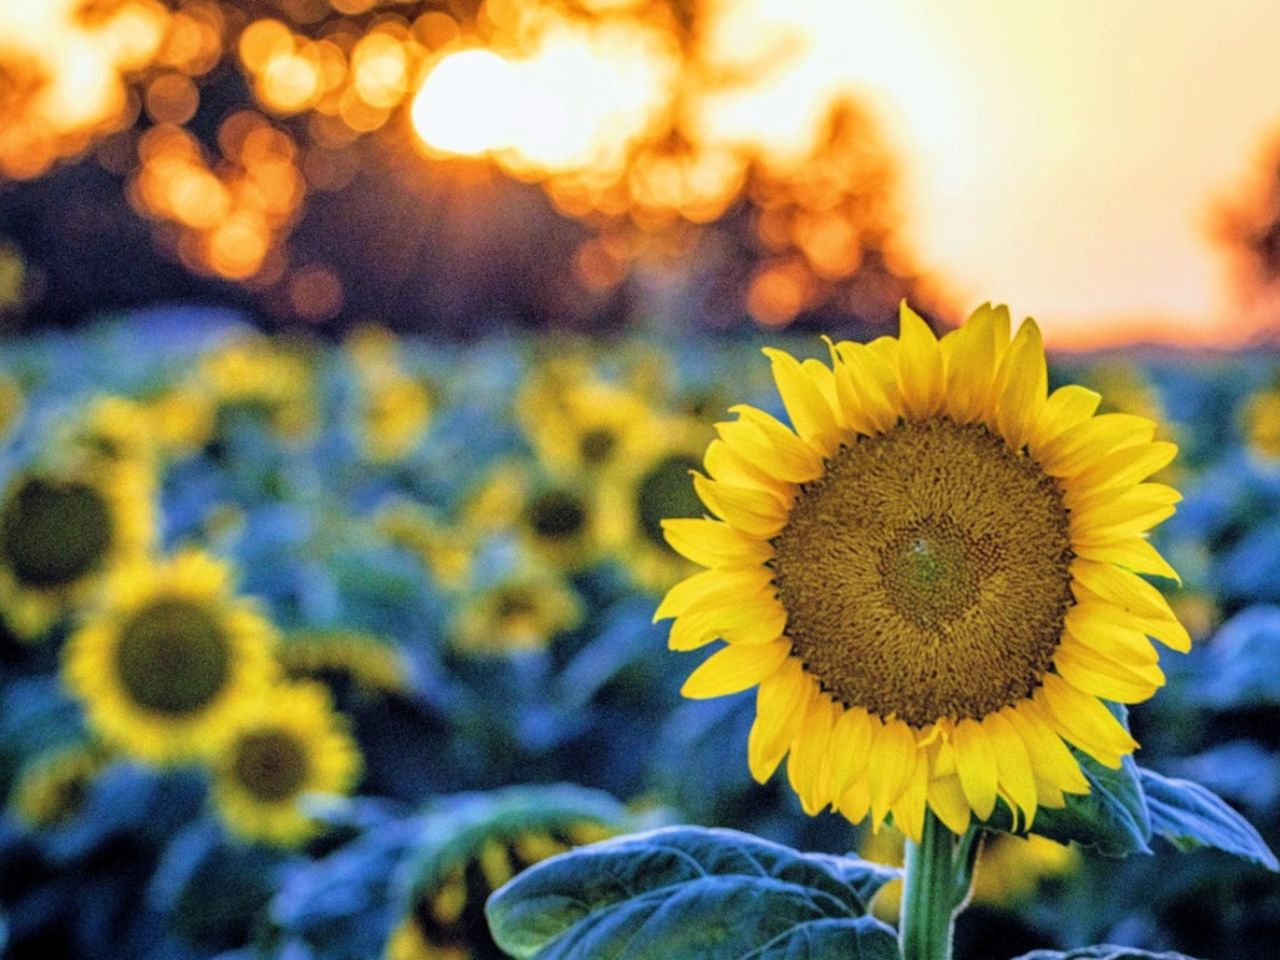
(939,870)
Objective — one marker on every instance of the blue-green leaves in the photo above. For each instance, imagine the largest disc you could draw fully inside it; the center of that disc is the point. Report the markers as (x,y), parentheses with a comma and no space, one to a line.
(1112,818)
(1190,816)
(695,893)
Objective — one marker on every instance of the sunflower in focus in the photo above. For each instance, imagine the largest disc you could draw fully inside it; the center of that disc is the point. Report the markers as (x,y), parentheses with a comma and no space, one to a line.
(522,611)
(60,531)
(582,426)
(935,580)
(291,743)
(51,788)
(171,659)
(641,493)
(447,919)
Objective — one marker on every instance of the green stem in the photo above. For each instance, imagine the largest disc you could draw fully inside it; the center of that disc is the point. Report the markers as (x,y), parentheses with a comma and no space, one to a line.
(938,873)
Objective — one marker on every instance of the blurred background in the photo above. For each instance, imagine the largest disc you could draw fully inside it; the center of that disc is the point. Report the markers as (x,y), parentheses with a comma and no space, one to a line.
(375,337)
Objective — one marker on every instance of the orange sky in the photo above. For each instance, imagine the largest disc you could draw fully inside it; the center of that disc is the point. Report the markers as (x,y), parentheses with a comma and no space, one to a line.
(1063,156)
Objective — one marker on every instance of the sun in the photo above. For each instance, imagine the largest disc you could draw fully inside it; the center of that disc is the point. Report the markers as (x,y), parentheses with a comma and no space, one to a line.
(935,580)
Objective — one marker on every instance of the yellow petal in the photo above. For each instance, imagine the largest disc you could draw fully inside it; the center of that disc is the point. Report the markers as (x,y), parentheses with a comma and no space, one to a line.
(760,621)
(735,668)
(727,465)
(754,512)
(713,588)
(855,804)
(1090,671)
(969,356)
(807,753)
(1066,407)
(850,748)
(1135,554)
(1117,637)
(1052,761)
(1013,764)
(891,766)
(1126,465)
(767,443)
(1085,722)
(920,373)
(908,812)
(975,766)
(1022,383)
(948,801)
(1122,589)
(875,382)
(712,543)
(782,701)
(1083,446)
(808,409)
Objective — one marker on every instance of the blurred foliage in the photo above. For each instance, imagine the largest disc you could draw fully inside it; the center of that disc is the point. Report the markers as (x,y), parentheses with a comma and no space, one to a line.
(468,571)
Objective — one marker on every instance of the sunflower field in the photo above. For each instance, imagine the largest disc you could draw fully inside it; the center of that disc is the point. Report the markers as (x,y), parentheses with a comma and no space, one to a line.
(310,647)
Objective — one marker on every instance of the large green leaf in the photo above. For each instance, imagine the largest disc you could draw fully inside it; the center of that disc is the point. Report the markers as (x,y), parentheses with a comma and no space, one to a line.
(1102,952)
(1190,816)
(689,893)
(1111,818)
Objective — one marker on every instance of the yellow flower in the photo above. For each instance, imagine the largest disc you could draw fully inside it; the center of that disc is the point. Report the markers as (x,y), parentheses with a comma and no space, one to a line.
(523,611)
(447,552)
(181,419)
(394,416)
(289,745)
(934,581)
(171,659)
(1260,418)
(643,491)
(60,531)
(554,519)
(582,426)
(368,662)
(447,920)
(260,377)
(111,432)
(12,404)
(51,788)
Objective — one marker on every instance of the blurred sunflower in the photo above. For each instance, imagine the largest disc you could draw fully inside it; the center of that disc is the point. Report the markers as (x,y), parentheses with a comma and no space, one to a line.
(445,550)
(12,404)
(60,531)
(934,581)
(637,496)
(181,419)
(557,526)
(289,744)
(171,658)
(582,427)
(51,787)
(1260,422)
(447,920)
(369,663)
(111,432)
(523,611)
(394,408)
(258,377)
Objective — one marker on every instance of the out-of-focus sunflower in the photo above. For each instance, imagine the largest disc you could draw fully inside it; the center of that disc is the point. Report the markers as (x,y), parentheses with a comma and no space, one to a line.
(584,427)
(368,663)
(111,432)
(522,611)
(181,419)
(51,787)
(447,920)
(394,408)
(638,495)
(259,377)
(289,744)
(934,581)
(1260,422)
(60,530)
(12,404)
(554,519)
(447,551)
(171,659)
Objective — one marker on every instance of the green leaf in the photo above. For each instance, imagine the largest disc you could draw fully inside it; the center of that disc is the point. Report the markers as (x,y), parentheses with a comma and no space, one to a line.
(1102,952)
(1111,818)
(1191,816)
(690,893)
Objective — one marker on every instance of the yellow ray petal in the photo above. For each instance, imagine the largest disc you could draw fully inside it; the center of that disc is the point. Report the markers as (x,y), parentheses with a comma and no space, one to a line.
(713,588)
(1050,758)
(875,383)
(782,701)
(891,766)
(1013,764)
(969,356)
(810,414)
(770,445)
(975,766)
(855,804)
(754,623)
(1093,673)
(1083,446)
(754,512)
(1136,554)
(1022,385)
(1084,721)
(727,465)
(947,800)
(1067,407)
(712,543)
(735,668)
(850,747)
(804,765)
(1126,465)
(1122,640)
(920,372)
(908,812)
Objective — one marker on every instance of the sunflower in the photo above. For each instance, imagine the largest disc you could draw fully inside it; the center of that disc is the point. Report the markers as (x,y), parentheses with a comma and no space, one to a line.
(112,432)
(290,744)
(60,530)
(1260,420)
(446,551)
(12,404)
(181,420)
(258,377)
(394,414)
(582,426)
(639,495)
(935,581)
(170,659)
(366,661)
(447,919)
(51,787)
(522,611)
(554,519)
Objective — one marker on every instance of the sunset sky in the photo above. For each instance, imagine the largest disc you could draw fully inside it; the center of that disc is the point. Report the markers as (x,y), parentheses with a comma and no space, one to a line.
(1064,157)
